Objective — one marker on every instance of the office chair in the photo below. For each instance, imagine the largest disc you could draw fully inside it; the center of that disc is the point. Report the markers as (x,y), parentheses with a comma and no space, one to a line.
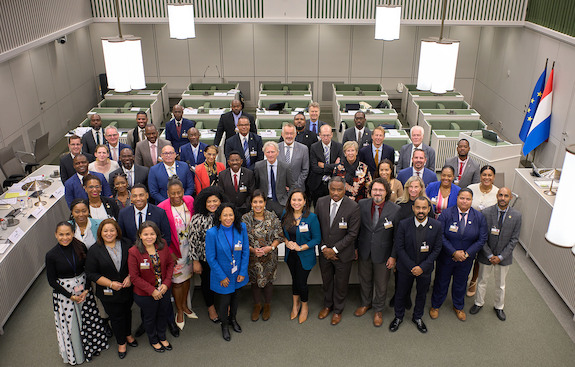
(11,167)
(41,151)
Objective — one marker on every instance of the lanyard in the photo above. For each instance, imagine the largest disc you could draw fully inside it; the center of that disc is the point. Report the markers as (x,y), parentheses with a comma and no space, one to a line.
(185,216)
(229,243)
(73,263)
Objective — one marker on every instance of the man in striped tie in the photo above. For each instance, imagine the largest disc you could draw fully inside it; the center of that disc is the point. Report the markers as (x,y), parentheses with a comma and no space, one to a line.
(250,144)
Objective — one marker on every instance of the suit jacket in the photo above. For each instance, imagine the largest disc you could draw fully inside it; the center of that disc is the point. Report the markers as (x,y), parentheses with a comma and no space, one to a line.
(503,244)
(172,133)
(343,239)
(120,147)
(307,138)
(111,207)
(255,147)
(67,165)
(100,264)
(316,155)
(144,280)
(186,154)
(227,124)
(350,134)
(142,155)
(319,124)
(127,222)
(311,238)
(140,175)
(133,138)
(88,142)
(189,203)
(158,180)
(408,250)
(375,243)
(405,157)
(299,163)
(74,189)
(428,175)
(283,179)
(219,256)
(432,190)
(470,174)
(366,156)
(247,180)
(201,178)
(471,241)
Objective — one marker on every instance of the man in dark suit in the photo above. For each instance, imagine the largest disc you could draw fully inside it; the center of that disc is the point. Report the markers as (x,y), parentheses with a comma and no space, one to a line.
(273,178)
(229,121)
(138,133)
(325,155)
(314,123)
(161,172)
(237,182)
(177,128)
(504,224)
(247,142)
(113,143)
(339,218)
(74,186)
(376,151)
(94,136)
(193,152)
(466,170)
(135,174)
(148,151)
(417,169)
(359,133)
(376,253)
(67,159)
(407,150)
(295,154)
(418,242)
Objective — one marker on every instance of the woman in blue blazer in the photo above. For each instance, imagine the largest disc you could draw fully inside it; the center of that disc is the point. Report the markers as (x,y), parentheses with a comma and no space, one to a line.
(227,253)
(85,227)
(302,231)
(443,193)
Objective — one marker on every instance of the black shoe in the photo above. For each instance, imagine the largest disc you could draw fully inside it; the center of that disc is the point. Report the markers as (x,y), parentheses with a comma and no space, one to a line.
(235,326)
(140,330)
(133,344)
(226,333)
(408,303)
(122,355)
(95,354)
(174,330)
(395,324)
(160,349)
(392,301)
(216,320)
(475,309)
(420,325)
(167,347)
(107,328)
(500,314)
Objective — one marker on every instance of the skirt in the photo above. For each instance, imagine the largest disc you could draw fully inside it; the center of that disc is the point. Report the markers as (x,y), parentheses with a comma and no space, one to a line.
(79,327)
(183,269)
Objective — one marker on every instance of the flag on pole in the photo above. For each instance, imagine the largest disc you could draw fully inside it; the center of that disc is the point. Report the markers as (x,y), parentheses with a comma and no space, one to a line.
(533,103)
(539,130)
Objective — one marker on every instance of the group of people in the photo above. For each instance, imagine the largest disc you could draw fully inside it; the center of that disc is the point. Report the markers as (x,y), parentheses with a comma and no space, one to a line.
(143,224)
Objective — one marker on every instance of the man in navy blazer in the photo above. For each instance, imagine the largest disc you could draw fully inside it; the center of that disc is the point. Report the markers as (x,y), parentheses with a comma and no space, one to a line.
(417,169)
(229,121)
(73,186)
(193,152)
(113,142)
(418,242)
(161,172)
(314,123)
(246,142)
(375,150)
(177,128)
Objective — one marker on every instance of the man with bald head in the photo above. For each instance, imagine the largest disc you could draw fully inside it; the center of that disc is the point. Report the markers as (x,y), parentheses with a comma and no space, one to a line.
(177,128)
(135,174)
(324,156)
(161,173)
(94,136)
(193,152)
(148,151)
(229,122)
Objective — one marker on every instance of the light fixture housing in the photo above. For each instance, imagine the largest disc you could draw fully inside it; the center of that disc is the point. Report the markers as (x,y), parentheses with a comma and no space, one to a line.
(387,22)
(181,20)
(437,65)
(561,220)
(124,63)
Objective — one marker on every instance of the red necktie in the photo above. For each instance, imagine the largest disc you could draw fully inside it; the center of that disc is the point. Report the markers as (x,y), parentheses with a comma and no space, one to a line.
(236,182)
(179,128)
(460,170)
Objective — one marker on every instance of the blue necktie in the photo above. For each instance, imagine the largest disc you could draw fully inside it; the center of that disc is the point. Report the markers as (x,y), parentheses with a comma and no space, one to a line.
(246,153)
(273,183)
(462,224)
(313,128)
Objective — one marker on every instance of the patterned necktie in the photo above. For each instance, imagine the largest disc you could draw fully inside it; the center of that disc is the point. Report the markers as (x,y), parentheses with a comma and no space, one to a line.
(130,182)
(359,137)
(326,154)
(417,173)
(172,171)
(98,137)
(179,129)
(246,152)
(288,155)
(376,157)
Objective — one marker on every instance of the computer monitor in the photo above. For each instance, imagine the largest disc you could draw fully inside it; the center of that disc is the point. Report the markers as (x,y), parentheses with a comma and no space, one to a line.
(276,106)
(490,135)
(352,107)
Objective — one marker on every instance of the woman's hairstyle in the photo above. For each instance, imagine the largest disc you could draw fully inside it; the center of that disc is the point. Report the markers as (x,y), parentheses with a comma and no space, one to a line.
(256,193)
(351,144)
(391,166)
(288,219)
(121,174)
(75,203)
(113,222)
(102,146)
(90,177)
(76,244)
(159,240)
(487,167)
(214,147)
(237,219)
(447,166)
(202,198)
(405,197)
(385,184)
(175,181)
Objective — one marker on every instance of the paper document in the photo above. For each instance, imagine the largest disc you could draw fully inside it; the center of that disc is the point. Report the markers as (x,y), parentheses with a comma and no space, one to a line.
(16,235)
(4,247)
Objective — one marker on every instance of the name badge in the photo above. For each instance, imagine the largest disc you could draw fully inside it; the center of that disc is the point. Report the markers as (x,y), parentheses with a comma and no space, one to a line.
(234,267)
(303,227)
(424,247)
(78,289)
(253,153)
(453,228)
(387,224)
(108,292)
(481,207)
(495,231)
(145,265)
(243,188)
(434,200)
(342,224)
(184,135)
(456,182)
(238,246)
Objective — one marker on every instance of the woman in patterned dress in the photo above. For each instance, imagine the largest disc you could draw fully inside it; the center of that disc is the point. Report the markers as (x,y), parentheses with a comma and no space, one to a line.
(265,235)
(79,328)
(356,174)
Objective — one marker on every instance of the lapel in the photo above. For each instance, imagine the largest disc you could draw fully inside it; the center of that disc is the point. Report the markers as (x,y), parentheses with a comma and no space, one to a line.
(225,244)
(338,214)
(106,254)
(265,177)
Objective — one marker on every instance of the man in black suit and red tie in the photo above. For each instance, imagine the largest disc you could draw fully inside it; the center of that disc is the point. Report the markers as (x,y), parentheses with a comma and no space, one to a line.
(237,182)
(229,122)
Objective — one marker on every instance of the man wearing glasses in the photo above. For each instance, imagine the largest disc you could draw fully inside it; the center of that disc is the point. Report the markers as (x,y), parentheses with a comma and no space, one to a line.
(169,167)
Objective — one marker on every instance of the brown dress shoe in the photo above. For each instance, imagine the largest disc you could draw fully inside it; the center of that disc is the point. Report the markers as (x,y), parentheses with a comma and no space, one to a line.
(256,312)
(377,319)
(323,313)
(361,310)
(460,314)
(336,318)
(472,289)
(267,312)
(434,313)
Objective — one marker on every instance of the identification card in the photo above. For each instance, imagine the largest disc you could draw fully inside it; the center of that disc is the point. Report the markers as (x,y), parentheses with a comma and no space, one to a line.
(78,289)
(234,267)
(108,292)
(253,153)
(238,246)
(342,224)
(453,228)
(145,265)
(434,200)
(303,227)
(424,247)
(185,135)
(387,224)
(243,188)
(495,231)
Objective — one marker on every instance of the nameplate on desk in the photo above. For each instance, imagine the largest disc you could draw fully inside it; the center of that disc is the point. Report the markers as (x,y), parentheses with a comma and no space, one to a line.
(16,235)
(217,112)
(38,212)
(58,193)
(4,247)
(339,95)
(135,109)
(220,94)
(263,95)
(266,112)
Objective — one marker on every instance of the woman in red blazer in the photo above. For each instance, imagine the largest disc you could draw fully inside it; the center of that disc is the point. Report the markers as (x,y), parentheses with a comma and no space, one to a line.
(151,266)
(207,172)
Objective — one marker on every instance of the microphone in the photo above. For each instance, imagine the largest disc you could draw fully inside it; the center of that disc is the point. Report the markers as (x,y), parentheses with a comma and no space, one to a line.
(205,71)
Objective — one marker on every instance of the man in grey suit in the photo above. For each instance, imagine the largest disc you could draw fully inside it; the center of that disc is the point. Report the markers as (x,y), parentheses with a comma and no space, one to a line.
(466,170)
(406,151)
(376,253)
(273,178)
(359,133)
(504,224)
(148,151)
(295,155)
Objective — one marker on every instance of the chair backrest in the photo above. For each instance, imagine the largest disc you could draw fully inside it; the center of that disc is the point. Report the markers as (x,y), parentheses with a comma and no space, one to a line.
(41,147)
(9,164)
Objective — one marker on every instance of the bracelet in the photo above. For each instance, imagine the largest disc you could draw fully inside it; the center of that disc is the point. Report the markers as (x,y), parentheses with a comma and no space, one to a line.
(111,282)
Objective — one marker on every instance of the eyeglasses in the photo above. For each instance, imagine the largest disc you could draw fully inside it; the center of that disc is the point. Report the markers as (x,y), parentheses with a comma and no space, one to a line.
(168,153)
(93,187)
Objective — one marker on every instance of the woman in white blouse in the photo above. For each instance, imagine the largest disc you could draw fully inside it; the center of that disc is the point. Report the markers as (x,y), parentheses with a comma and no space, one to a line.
(103,164)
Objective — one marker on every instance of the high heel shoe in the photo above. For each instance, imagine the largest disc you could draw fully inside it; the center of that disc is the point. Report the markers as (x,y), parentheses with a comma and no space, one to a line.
(191,315)
(122,355)
(303,313)
(133,344)
(294,315)
(180,325)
